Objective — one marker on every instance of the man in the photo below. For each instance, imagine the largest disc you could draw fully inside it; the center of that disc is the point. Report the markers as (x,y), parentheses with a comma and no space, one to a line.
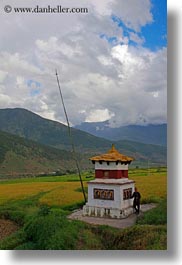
(136,202)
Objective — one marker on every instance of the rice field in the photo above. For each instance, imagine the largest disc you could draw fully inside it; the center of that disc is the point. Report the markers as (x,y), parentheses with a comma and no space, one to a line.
(18,191)
(152,186)
(66,194)
(53,193)
(56,191)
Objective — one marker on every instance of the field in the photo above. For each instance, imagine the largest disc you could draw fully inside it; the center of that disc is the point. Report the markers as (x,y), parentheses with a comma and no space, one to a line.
(22,200)
(65,190)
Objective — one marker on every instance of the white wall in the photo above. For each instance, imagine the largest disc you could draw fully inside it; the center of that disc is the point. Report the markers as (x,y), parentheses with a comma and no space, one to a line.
(118,201)
(111,166)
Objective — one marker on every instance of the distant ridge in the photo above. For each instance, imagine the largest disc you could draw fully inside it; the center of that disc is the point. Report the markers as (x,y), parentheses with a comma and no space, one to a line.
(149,134)
(31,126)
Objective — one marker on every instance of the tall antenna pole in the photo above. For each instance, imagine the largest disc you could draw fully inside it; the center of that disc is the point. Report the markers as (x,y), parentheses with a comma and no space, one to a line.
(71,137)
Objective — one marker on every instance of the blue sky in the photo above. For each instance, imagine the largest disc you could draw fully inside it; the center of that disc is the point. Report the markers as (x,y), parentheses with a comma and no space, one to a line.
(34,87)
(155,34)
(152,35)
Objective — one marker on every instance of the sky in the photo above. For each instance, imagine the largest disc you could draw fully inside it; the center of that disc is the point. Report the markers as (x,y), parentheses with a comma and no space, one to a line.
(111,61)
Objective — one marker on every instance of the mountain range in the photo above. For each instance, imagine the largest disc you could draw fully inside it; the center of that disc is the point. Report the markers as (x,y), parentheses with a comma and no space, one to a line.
(149,134)
(30,133)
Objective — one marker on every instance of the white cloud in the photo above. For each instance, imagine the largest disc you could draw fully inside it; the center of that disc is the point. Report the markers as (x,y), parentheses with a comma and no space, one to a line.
(136,38)
(4,100)
(17,64)
(99,115)
(134,13)
(3,75)
(103,7)
(155,94)
(20,80)
(99,80)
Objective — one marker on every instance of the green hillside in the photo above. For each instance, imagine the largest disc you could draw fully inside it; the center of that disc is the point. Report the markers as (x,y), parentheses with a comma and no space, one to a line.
(32,127)
(19,156)
(29,125)
(144,153)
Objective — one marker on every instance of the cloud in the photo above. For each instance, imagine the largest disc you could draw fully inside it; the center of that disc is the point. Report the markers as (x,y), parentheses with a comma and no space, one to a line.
(134,13)
(99,115)
(3,76)
(101,75)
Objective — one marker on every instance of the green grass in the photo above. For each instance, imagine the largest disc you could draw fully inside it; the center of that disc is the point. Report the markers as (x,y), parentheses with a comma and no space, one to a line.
(47,227)
(145,237)
(63,178)
(156,216)
(20,211)
(147,171)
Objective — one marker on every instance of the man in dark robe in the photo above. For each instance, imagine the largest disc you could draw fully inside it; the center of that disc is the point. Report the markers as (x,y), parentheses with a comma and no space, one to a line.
(136,202)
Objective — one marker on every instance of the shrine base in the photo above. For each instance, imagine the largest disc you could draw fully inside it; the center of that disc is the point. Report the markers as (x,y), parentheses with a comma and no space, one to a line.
(106,212)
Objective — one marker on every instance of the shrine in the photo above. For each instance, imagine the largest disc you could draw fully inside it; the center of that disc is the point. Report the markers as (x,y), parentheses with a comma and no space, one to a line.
(109,194)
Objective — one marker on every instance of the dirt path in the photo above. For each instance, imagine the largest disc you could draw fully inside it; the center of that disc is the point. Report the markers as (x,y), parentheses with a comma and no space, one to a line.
(7,227)
(118,223)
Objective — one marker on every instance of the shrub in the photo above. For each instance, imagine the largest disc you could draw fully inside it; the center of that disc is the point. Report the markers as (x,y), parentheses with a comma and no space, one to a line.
(12,241)
(13,215)
(52,231)
(145,237)
(44,210)
(133,238)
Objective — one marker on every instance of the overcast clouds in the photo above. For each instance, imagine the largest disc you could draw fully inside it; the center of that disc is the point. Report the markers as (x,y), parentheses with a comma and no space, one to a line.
(102,75)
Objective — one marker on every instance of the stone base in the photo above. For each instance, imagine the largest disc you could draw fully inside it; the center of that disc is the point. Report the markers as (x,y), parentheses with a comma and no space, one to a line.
(106,212)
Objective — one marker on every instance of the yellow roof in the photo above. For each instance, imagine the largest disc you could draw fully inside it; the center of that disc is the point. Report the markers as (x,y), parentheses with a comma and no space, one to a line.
(112,155)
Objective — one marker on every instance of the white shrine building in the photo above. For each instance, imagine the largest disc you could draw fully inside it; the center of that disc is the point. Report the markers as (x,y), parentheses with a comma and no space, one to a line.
(109,194)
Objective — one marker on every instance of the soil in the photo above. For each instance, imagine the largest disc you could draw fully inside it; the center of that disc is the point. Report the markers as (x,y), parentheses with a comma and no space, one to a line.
(7,227)
(118,223)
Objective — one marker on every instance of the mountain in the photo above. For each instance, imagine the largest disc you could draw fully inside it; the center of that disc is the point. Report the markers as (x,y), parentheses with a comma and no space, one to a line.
(31,126)
(19,156)
(149,134)
(144,154)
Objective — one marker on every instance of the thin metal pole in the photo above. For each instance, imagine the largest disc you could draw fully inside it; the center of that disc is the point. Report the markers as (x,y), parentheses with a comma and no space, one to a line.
(71,137)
